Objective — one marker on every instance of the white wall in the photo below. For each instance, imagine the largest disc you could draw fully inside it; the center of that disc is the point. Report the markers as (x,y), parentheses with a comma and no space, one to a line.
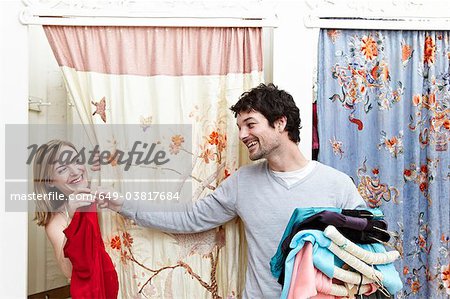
(14,110)
(294,49)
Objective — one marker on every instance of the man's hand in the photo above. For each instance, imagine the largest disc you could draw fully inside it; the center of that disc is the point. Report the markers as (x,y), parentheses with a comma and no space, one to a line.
(96,162)
(108,198)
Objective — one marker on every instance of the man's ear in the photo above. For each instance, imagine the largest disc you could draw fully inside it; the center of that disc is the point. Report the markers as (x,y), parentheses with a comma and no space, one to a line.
(280,123)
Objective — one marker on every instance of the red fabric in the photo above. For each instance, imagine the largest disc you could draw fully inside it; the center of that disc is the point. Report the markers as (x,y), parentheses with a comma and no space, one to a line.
(315,135)
(93,273)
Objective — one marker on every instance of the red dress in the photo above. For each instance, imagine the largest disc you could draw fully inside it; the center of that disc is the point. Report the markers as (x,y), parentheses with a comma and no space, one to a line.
(93,273)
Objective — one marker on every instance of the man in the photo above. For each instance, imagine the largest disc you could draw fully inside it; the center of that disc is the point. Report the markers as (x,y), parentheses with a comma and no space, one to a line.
(263,195)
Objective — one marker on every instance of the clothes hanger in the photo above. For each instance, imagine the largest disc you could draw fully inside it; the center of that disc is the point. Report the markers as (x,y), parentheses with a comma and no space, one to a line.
(373,258)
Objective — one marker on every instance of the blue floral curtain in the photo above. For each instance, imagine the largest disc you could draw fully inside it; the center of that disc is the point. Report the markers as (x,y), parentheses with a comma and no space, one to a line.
(384,119)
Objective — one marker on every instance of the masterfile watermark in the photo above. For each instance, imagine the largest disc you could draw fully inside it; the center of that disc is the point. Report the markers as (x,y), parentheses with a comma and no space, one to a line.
(104,157)
(151,164)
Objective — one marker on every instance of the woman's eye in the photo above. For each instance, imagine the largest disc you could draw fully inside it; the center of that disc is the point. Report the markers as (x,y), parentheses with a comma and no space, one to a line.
(62,170)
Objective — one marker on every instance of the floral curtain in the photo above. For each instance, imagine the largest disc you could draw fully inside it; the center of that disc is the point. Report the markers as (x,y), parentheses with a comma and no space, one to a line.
(148,76)
(384,119)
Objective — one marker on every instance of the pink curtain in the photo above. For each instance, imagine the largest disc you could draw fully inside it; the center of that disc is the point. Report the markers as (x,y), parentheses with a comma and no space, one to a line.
(140,50)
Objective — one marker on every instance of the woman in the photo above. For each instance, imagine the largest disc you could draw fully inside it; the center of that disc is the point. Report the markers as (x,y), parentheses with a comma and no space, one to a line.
(68,213)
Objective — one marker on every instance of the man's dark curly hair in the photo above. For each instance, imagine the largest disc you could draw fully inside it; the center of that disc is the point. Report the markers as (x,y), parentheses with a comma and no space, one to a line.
(273,103)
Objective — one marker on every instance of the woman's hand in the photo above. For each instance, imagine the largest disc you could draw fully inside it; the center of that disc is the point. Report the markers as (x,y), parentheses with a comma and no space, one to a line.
(107,197)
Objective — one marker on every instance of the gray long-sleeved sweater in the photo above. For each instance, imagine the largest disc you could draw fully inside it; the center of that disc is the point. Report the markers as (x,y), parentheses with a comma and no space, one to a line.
(264,203)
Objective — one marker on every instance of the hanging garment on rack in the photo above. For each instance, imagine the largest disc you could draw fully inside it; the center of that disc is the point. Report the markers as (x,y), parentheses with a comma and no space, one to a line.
(93,273)
(298,216)
(326,261)
(315,135)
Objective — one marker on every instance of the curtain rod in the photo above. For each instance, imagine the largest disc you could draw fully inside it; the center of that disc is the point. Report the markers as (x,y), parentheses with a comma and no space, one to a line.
(75,17)
(380,23)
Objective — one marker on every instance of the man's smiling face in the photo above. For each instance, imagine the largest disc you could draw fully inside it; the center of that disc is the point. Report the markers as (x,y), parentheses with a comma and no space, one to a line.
(256,133)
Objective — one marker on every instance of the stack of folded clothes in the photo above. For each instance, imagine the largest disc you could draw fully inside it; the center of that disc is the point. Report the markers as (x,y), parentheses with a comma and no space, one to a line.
(334,253)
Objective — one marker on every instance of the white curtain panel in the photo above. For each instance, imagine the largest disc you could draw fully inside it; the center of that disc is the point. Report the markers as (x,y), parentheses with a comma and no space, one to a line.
(150,76)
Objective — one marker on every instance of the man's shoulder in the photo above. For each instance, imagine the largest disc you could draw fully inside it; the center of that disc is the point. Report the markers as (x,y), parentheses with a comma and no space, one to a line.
(249,171)
(328,171)
(245,173)
(253,168)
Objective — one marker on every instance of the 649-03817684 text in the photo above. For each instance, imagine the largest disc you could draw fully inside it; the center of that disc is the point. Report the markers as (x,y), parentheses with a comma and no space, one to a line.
(150,195)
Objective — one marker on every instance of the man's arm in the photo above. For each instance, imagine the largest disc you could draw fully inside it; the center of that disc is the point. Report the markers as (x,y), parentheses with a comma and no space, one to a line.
(215,209)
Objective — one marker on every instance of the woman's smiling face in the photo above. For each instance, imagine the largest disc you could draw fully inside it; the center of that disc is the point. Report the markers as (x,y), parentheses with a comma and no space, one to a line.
(68,175)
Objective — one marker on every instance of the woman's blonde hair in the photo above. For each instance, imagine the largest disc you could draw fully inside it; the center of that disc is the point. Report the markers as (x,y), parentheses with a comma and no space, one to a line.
(43,171)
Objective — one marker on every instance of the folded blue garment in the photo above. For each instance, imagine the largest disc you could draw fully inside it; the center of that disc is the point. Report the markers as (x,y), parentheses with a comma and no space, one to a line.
(298,215)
